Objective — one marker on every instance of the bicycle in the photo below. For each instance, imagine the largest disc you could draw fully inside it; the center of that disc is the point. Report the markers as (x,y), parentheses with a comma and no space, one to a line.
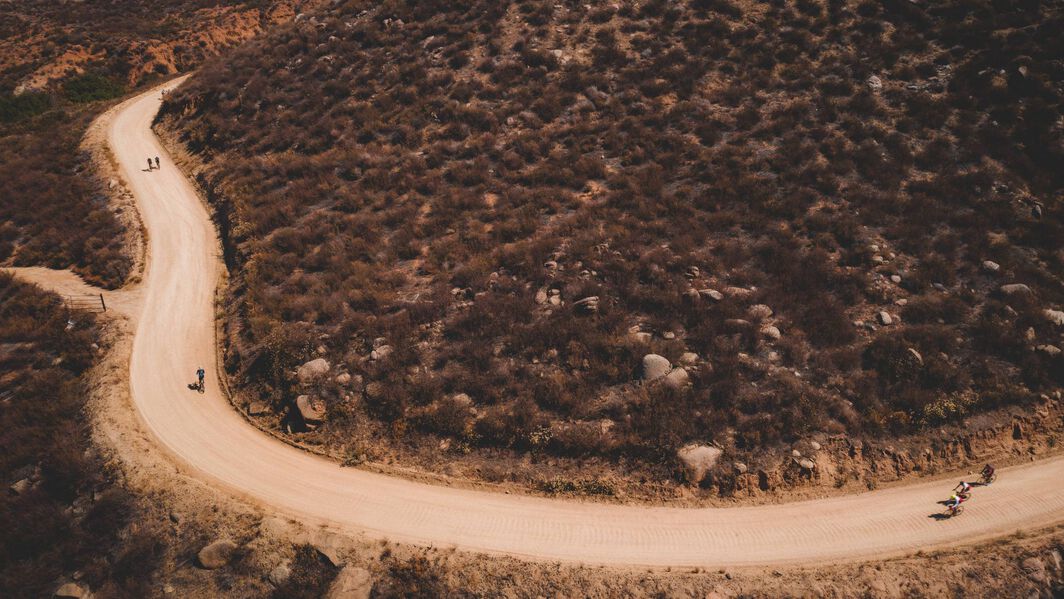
(954,511)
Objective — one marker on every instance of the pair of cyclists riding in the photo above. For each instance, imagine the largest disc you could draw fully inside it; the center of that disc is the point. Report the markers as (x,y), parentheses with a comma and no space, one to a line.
(963,491)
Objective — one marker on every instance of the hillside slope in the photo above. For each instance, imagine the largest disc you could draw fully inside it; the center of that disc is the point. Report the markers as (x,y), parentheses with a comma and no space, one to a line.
(485,217)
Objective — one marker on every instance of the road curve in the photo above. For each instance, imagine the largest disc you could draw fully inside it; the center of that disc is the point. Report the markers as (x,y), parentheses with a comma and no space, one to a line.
(175,334)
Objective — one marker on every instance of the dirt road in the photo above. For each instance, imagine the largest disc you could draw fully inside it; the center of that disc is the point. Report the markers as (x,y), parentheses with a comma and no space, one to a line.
(175,335)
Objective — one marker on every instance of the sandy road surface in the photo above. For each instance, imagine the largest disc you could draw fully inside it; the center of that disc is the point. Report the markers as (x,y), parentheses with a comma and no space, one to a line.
(174,336)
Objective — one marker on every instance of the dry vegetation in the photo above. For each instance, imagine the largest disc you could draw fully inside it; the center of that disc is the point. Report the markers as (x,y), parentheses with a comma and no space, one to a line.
(59,508)
(59,63)
(413,174)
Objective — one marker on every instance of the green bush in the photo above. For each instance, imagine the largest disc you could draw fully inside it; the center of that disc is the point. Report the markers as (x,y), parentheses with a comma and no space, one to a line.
(90,87)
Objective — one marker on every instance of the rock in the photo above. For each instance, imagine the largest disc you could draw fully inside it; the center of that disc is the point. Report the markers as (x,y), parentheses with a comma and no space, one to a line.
(806,464)
(257,408)
(641,336)
(991,266)
(381,352)
(312,370)
(21,486)
(555,300)
(351,583)
(759,311)
(72,590)
(669,335)
(712,294)
(875,83)
(375,390)
(217,554)
(280,574)
(1058,560)
(737,291)
(1055,316)
(814,446)
(895,279)
(915,356)
(884,318)
(1016,289)
(697,460)
(310,408)
(1049,350)
(1035,569)
(655,367)
(541,296)
(795,453)
(329,554)
(677,379)
(689,358)
(771,332)
(736,325)
(587,305)
(741,468)
(343,379)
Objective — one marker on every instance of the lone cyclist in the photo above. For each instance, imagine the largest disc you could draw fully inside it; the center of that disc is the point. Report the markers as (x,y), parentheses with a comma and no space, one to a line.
(199,375)
(988,474)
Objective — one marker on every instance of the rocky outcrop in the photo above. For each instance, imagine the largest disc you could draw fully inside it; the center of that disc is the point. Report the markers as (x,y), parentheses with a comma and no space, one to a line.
(351,583)
(311,409)
(677,379)
(72,590)
(312,371)
(655,367)
(217,554)
(697,461)
(1015,289)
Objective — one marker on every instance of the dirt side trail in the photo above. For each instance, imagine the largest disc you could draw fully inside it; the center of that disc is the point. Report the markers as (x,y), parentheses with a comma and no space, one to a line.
(174,319)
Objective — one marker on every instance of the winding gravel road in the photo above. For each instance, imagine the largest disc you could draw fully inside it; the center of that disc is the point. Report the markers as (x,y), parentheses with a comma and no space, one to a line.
(175,335)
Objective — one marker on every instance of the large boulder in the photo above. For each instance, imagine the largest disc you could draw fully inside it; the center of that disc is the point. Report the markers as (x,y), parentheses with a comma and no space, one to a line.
(217,554)
(655,367)
(351,583)
(1035,569)
(280,574)
(759,312)
(1015,289)
(72,590)
(312,370)
(771,332)
(1055,316)
(697,460)
(310,408)
(677,379)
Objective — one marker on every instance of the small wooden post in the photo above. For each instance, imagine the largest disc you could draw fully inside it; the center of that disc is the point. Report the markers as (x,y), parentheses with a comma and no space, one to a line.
(102,303)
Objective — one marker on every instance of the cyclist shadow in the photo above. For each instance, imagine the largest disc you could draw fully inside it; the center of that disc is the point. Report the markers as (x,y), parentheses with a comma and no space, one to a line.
(195,387)
(939,516)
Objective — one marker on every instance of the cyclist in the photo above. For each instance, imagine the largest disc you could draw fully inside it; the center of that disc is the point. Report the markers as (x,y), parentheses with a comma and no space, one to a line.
(963,488)
(955,501)
(157,162)
(199,375)
(988,474)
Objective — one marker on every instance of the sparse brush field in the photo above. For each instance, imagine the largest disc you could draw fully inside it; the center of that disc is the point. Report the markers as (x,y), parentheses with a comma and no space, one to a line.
(60,64)
(811,207)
